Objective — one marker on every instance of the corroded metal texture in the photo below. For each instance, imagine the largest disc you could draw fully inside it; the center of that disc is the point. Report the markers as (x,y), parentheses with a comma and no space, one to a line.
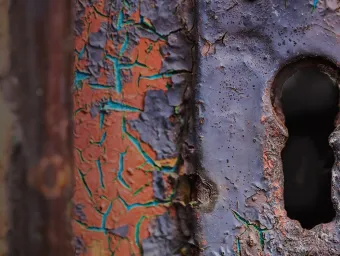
(37,89)
(133,72)
(242,46)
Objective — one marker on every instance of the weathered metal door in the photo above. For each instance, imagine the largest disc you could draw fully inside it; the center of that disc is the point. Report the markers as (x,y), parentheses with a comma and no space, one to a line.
(199,127)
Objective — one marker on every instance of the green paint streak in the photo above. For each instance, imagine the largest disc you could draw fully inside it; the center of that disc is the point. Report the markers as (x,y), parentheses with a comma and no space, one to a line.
(110,249)
(81,155)
(98,12)
(149,49)
(137,232)
(120,171)
(78,110)
(101,87)
(141,165)
(82,177)
(80,223)
(177,109)
(141,189)
(109,243)
(136,205)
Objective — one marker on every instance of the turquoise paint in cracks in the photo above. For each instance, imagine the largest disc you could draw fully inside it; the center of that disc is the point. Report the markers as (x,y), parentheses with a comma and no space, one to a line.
(80,76)
(238,247)
(135,205)
(137,144)
(120,20)
(101,120)
(105,215)
(103,224)
(125,44)
(147,158)
(117,66)
(100,171)
(247,224)
(121,169)
(117,106)
(169,169)
(118,80)
(81,53)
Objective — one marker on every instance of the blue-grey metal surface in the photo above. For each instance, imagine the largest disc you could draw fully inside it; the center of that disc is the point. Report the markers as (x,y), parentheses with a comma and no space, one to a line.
(242,46)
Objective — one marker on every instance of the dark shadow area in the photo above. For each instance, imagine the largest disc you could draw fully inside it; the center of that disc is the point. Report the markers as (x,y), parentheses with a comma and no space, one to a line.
(310,104)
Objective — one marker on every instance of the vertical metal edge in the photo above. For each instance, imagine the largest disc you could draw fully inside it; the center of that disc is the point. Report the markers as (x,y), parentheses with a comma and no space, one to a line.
(5,126)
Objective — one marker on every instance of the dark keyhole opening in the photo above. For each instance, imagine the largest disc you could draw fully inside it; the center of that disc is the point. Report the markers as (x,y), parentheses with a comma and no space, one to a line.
(309,101)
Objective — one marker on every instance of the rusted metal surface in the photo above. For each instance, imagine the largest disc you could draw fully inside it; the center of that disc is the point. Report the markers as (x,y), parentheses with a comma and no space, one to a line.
(38,90)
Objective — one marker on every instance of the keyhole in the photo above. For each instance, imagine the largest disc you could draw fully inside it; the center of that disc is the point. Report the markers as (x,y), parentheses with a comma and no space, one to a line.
(309,101)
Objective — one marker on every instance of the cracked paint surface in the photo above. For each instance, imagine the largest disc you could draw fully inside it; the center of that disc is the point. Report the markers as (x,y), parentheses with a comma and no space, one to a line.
(128,56)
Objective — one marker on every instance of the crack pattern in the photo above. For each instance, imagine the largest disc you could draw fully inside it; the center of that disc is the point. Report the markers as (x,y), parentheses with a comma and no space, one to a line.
(120,53)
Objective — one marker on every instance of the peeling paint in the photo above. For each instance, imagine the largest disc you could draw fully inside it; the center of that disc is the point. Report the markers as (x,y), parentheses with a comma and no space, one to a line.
(127,56)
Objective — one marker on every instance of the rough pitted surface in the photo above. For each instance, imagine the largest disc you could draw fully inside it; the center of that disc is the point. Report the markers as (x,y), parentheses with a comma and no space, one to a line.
(166,236)
(242,46)
(162,14)
(177,53)
(155,126)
